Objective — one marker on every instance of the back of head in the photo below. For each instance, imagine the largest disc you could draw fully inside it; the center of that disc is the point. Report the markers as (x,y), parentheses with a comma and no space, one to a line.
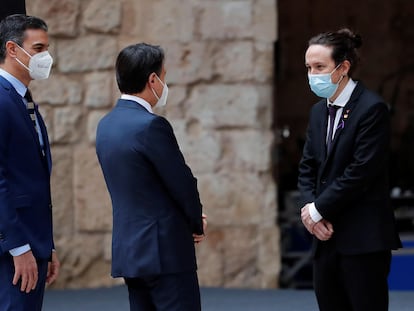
(13,28)
(134,65)
(344,44)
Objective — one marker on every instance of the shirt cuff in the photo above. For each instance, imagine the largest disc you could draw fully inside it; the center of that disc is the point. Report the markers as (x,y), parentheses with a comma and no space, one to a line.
(19,250)
(314,214)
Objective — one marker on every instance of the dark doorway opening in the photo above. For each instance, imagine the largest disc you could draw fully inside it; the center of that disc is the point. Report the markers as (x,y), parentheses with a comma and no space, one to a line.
(387,66)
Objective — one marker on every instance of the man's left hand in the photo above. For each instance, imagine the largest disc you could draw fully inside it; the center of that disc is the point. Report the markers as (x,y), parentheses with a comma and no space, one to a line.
(53,269)
(199,238)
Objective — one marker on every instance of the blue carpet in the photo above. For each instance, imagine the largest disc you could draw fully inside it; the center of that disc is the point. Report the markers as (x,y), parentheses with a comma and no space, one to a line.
(213,299)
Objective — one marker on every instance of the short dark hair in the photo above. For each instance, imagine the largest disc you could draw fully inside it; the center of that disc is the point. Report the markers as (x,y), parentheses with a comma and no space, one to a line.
(344,45)
(13,28)
(134,65)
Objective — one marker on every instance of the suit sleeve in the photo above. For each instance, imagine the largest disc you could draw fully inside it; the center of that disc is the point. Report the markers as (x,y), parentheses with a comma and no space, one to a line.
(369,159)
(170,164)
(307,170)
(11,229)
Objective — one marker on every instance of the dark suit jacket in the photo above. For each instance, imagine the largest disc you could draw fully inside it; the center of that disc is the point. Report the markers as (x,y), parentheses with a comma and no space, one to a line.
(155,201)
(25,202)
(350,185)
(9,7)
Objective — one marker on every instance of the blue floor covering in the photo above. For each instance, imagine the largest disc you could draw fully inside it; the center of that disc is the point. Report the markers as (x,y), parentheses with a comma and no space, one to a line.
(213,299)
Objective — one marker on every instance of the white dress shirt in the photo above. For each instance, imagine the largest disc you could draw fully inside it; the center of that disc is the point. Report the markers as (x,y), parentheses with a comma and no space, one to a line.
(340,101)
(138,100)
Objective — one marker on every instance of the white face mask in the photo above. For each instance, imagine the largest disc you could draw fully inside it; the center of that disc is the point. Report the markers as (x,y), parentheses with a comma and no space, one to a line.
(162,101)
(39,64)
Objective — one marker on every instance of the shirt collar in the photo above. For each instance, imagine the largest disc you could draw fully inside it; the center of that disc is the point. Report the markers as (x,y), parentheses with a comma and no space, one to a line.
(345,95)
(17,84)
(139,100)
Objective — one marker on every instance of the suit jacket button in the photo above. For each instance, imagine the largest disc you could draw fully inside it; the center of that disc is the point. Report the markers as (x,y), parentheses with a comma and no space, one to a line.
(1,237)
(323,181)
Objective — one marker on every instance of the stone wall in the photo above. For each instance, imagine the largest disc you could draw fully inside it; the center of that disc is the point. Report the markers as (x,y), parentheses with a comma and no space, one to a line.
(219,70)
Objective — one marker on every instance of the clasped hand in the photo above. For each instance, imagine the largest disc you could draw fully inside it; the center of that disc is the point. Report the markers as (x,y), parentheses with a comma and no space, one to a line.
(322,229)
(200,237)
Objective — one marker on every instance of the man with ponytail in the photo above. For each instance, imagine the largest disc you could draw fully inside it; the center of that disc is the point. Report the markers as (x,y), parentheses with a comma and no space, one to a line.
(344,182)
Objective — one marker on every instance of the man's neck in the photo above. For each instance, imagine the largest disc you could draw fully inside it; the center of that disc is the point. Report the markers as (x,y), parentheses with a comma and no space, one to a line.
(22,77)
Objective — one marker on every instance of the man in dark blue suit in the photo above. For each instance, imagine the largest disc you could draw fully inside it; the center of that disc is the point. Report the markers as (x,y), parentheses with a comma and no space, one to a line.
(27,257)
(157,214)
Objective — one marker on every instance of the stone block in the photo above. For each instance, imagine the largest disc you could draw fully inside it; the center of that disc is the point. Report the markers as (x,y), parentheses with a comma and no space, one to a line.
(82,265)
(225,19)
(232,198)
(221,106)
(57,90)
(233,61)
(269,256)
(175,105)
(87,53)
(62,195)
(98,89)
(240,257)
(60,15)
(265,20)
(160,21)
(201,148)
(93,211)
(264,66)
(188,63)
(66,124)
(246,150)
(210,259)
(103,16)
(93,119)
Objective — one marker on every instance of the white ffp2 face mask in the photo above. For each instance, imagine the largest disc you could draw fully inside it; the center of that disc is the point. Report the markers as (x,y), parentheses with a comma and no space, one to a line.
(40,64)
(162,101)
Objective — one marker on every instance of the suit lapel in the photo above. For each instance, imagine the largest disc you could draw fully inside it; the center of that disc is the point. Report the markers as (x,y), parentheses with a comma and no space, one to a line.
(46,145)
(17,99)
(346,114)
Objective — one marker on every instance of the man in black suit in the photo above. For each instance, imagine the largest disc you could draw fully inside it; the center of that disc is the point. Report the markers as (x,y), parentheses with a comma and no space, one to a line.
(343,180)
(9,7)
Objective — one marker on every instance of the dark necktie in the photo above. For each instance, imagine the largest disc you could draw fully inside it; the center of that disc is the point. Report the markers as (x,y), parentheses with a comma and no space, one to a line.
(332,114)
(30,107)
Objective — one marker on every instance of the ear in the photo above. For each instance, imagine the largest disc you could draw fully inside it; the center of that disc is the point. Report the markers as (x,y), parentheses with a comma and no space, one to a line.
(346,65)
(152,79)
(11,49)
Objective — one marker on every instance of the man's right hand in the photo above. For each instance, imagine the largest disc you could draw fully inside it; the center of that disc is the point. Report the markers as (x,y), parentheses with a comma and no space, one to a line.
(25,267)
(323,230)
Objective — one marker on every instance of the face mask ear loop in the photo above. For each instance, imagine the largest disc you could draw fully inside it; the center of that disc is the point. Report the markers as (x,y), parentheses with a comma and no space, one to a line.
(159,79)
(27,68)
(155,94)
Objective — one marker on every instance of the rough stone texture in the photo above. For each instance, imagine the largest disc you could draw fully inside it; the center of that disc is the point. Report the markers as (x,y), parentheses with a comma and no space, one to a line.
(98,89)
(219,61)
(103,16)
(93,119)
(66,125)
(92,211)
(58,90)
(62,180)
(91,52)
(61,15)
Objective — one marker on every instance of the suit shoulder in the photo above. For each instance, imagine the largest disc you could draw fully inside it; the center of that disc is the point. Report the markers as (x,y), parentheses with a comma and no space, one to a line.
(372,99)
